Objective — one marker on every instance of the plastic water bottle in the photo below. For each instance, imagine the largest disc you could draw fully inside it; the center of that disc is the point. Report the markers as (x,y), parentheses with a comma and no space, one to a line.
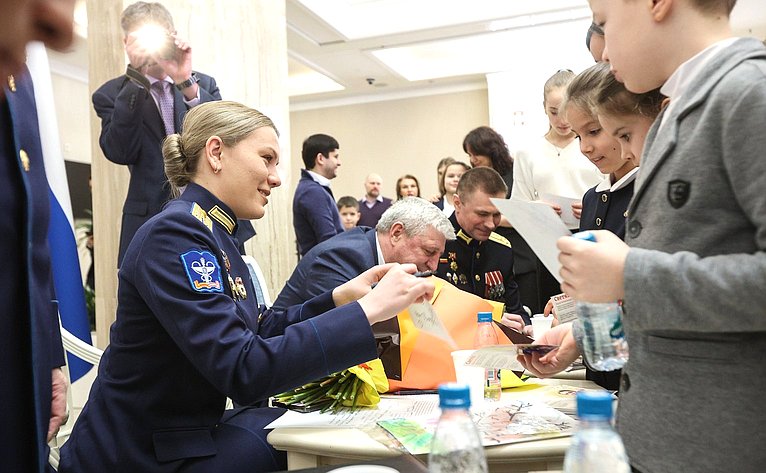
(604,342)
(486,336)
(456,446)
(596,447)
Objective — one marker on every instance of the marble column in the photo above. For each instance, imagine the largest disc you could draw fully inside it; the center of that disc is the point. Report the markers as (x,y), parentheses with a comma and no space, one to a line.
(243,44)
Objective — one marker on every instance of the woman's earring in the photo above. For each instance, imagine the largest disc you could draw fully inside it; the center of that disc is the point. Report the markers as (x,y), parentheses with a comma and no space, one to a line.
(217,169)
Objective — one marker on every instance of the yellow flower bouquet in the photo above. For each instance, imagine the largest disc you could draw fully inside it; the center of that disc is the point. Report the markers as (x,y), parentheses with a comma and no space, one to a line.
(359,385)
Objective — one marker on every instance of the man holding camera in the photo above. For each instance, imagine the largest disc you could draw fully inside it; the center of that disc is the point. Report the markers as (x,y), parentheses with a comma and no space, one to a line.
(140,108)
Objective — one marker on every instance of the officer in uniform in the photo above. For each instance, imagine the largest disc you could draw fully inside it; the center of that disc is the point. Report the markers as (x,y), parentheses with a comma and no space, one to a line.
(189,331)
(479,260)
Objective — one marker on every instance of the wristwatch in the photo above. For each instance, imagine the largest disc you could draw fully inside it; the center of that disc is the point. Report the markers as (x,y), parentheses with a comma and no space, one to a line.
(188,82)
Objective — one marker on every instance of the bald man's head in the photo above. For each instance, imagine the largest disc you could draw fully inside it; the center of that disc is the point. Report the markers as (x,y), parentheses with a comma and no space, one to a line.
(372,184)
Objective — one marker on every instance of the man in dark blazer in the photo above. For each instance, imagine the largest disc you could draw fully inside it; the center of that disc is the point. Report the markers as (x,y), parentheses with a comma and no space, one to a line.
(131,110)
(33,389)
(411,231)
(315,214)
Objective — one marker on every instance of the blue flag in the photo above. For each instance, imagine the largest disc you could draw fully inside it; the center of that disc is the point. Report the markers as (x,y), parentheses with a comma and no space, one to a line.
(65,263)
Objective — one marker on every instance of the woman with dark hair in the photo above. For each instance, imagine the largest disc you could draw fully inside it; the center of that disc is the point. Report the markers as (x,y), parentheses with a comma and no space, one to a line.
(407,186)
(485,147)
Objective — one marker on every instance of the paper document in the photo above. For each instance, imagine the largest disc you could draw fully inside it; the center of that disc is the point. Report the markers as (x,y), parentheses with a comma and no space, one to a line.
(539,225)
(565,203)
(496,356)
(565,308)
(424,318)
(504,422)
(356,417)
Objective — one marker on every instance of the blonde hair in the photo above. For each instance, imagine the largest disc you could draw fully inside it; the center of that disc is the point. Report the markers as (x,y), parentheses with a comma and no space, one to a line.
(582,90)
(230,121)
(558,80)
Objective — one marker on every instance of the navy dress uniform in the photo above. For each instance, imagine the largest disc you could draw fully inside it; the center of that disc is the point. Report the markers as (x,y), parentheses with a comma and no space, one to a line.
(605,207)
(189,333)
(30,341)
(483,268)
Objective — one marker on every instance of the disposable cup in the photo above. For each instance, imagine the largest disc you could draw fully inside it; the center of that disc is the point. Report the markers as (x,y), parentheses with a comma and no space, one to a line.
(473,376)
(540,325)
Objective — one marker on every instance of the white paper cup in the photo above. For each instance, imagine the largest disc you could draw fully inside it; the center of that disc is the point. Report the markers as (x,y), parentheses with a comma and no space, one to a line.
(540,325)
(473,376)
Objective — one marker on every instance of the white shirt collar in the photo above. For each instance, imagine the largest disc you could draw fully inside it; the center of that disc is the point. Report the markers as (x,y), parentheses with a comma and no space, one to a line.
(320,179)
(606,184)
(681,79)
(381,260)
(379,198)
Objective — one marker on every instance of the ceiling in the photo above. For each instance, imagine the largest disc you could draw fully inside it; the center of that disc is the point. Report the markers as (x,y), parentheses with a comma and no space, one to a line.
(352,51)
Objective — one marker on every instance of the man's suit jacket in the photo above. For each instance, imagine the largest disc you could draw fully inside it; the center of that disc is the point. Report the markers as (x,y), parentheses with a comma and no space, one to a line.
(132,132)
(30,341)
(330,264)
(315,214)
(692,393)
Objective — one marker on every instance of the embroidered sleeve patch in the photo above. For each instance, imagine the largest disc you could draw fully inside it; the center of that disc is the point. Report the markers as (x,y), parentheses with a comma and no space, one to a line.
(203,271)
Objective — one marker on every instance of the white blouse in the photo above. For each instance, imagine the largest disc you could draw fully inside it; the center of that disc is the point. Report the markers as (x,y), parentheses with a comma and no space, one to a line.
(543,168)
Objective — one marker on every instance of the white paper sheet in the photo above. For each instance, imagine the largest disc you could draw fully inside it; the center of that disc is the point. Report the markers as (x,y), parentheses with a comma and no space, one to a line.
(392,407)
(565,203)
(539,225)
(424,318)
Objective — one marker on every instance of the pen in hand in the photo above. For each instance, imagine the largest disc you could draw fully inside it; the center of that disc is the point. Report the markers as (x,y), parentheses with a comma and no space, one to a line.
(419,274)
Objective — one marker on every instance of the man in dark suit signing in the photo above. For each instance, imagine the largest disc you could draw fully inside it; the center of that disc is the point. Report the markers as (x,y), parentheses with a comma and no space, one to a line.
(140,108)
(413,230)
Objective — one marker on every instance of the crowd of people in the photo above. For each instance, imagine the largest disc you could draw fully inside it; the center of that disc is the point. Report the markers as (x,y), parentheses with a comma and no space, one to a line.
(659,149)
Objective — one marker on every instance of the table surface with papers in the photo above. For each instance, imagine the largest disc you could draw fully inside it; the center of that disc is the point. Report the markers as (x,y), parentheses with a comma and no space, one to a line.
(318,446)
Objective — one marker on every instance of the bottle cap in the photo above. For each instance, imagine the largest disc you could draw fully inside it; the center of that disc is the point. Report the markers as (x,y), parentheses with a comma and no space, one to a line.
(454,396)
(586,235)
(594,404)
(485,316)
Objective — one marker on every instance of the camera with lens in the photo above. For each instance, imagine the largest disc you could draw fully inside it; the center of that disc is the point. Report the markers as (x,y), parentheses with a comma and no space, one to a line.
(156,41)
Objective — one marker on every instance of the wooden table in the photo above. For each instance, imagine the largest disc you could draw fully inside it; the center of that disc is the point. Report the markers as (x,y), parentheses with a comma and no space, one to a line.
(312,447)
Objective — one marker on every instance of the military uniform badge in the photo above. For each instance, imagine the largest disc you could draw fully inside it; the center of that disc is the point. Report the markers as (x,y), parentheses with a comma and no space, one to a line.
(203,271)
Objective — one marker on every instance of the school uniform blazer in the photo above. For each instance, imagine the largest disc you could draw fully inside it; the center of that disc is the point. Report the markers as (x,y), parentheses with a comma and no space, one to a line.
(315,214)
(132,132)
(189,334)
(30,346)
(695,278)
(330,264)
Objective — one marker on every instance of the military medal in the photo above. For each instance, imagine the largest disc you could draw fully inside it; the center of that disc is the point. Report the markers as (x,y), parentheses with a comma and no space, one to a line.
(463,279)
(233,287)
(241,288)
(226,262)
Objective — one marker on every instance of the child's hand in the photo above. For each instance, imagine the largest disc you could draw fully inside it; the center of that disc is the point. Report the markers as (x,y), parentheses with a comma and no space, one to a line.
(577,209)
(593,272)
(557,360)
